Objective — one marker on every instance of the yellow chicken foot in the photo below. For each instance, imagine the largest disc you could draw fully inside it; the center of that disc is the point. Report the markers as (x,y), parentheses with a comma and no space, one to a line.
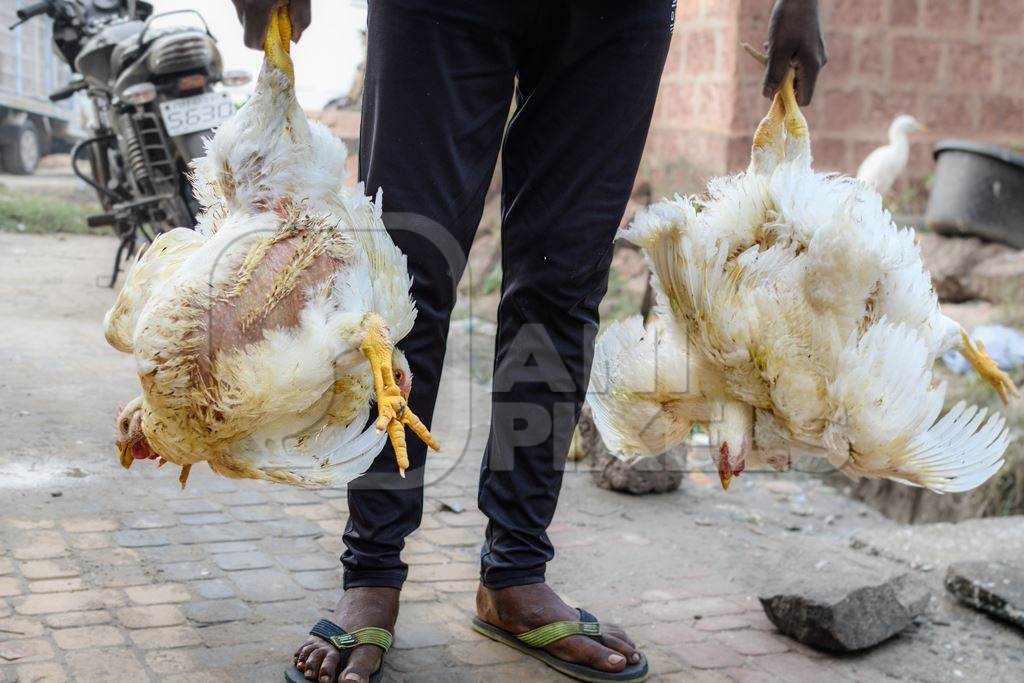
(392,409)
(183,477)
(988,368)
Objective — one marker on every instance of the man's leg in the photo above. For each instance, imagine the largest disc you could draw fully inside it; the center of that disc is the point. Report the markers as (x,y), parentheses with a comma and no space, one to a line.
(439,81)
(569,161)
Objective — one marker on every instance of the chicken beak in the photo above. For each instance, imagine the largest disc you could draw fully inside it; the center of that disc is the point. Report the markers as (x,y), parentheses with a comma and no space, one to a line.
(124,452)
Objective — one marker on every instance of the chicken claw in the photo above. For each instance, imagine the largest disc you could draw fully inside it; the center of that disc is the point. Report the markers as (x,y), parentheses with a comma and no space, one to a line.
(988,368)
(392,408)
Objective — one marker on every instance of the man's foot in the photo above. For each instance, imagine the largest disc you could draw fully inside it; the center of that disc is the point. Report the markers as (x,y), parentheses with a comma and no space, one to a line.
(519,609)
(358,607)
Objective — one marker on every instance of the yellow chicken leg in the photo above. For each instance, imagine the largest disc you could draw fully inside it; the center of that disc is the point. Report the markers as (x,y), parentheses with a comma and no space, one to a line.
(392,409)
(988,368)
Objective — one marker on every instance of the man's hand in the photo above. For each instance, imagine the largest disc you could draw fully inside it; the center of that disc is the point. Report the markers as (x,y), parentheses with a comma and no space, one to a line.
(255,17)
(794,39)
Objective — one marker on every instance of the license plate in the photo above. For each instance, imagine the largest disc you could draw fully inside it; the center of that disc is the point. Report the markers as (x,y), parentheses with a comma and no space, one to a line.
(191,114)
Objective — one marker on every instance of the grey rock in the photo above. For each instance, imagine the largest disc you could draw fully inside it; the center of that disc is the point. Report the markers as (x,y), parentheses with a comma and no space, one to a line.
(648,474)
(845,612)
(993,587)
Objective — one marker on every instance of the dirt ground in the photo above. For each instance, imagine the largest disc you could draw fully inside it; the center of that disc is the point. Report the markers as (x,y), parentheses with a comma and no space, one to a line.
(108,574)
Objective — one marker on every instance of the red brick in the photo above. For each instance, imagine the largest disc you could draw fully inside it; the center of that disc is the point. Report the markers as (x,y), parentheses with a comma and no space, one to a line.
(947,114)
(905,12)
(855,12)
(701,51)
(881,107)
(1002,113)
(971,66)
(840,48)
(947,14)
(1000,16)
(845,109)
(874,53)
(830,154)
(1010,59)
(918,60)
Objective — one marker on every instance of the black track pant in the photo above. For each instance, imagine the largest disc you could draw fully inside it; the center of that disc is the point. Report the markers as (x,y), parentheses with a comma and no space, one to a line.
(440,75)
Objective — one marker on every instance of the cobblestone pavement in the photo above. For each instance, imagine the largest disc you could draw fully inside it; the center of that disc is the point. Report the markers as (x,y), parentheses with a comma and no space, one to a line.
(108,575)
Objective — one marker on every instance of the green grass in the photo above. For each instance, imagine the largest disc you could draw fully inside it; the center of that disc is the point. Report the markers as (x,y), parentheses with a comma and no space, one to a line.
(38,214)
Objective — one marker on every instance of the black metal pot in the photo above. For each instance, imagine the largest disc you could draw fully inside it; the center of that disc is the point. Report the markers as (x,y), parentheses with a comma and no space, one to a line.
(978,191)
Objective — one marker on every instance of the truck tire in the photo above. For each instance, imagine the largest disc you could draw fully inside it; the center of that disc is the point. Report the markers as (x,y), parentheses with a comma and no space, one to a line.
(21,155)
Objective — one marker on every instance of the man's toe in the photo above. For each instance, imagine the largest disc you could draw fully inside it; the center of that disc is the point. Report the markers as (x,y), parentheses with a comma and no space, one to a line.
(593,654)
(362,664)
(622,647)
(312,668)
(329,667)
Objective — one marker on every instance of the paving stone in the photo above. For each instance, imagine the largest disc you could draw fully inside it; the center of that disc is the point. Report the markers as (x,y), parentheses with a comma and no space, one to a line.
(118,664)
(111,557)
(204,518)
(257,513)
(40,551)
(674,610)
(231,547)
(27,524)
(185,571)
(213,589)
(294,528)
(707,655)
(150,616)
(168,637)
(170,661)
(266,585)
(21,627)
(90,541)
(57,585)
(315,513)
(215,533)
(85,637)
(176,552)
(242,498)
(217,611)
(75,619)
(26,650)
(9,586)
(122,578)
(43,672)
(235,561)
(149,521)
(292,496)
(453,537)
(133,538)
(48,603)
(308,562)
(6,566)
(80,525)
(158,594)
(725,622)
(192,506)
(484,653)
(414,636)
(753,643)
(669,634)
(993,587)
(452,571)
(317,581)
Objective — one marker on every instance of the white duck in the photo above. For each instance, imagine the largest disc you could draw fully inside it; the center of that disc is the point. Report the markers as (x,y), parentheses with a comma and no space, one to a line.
(883,167)
(794,318)
(261,338)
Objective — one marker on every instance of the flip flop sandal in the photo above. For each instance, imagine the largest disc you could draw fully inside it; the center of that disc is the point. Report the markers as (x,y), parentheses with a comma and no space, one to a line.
(533,642)
(344,642)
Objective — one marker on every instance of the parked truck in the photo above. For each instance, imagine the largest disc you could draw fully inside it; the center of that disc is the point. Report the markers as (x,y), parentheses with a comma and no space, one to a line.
(30,124)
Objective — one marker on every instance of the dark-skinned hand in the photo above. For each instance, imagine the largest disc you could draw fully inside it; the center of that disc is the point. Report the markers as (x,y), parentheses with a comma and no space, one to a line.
(794,40)
(255,17)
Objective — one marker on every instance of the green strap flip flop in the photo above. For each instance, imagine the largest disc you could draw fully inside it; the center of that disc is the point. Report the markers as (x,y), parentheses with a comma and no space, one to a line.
(533,642)
(345,641)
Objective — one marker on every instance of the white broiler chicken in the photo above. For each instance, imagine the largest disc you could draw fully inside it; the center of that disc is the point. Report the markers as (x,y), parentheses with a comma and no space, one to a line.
(794,318)
(262,338)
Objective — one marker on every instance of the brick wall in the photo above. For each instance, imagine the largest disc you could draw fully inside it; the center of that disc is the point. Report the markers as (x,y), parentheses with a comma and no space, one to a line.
(958,65)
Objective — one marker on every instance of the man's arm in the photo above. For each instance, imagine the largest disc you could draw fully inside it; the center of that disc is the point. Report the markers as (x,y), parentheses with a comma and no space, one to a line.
(255,17)
(794,39)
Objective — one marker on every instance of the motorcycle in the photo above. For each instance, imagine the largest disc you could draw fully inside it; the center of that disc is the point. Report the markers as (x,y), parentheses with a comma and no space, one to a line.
(153,105)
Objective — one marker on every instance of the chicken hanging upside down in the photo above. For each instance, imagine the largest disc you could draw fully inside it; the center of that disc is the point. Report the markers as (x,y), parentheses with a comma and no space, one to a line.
(262,337)
(793,318)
